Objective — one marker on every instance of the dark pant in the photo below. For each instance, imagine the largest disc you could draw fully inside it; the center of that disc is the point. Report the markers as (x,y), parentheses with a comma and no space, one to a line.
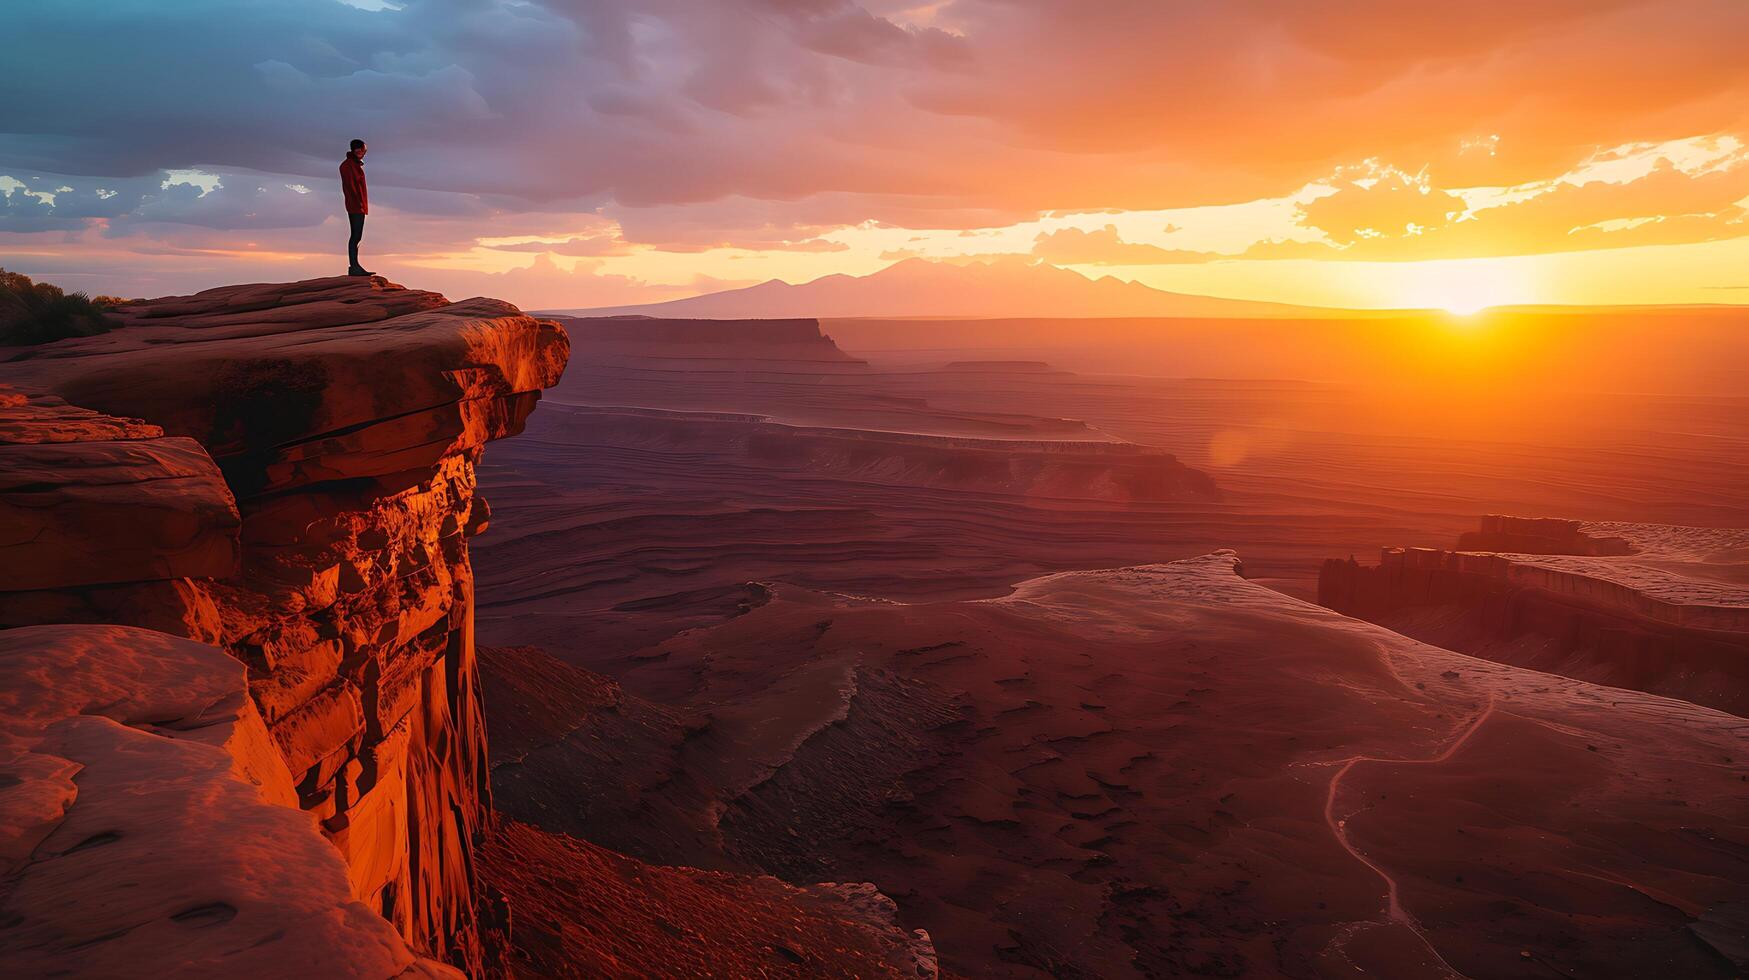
(357,233)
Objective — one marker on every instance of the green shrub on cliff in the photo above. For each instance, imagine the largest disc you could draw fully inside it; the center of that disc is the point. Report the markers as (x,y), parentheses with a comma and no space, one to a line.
(37,312)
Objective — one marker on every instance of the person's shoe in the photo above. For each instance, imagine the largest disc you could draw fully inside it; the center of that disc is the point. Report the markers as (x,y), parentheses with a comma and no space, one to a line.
(359,271)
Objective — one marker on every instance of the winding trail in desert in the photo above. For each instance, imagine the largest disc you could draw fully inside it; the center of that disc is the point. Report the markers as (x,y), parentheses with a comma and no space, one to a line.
(1394,910)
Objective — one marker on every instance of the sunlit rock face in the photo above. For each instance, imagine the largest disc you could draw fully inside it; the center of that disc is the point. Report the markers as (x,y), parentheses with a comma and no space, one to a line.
(86,498)
(149,821)
(287,471)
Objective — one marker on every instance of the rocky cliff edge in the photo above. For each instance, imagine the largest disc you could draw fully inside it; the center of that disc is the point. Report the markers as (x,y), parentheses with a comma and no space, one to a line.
(284,472)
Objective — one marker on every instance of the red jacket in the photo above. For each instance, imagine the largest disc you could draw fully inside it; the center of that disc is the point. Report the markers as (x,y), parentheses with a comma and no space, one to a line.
(352,182)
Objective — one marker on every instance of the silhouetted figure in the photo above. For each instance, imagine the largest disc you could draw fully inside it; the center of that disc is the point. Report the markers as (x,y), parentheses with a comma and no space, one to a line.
(357,203)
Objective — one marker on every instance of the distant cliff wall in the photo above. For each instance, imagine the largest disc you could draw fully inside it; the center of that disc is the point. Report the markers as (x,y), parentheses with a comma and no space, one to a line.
(1583,617)
(286,471)
(1539,536)
(707,343)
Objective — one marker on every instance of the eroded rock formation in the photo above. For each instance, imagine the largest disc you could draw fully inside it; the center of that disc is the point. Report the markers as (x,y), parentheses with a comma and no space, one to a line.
(1643,606)
(707,344)
(286,471)
(149,824)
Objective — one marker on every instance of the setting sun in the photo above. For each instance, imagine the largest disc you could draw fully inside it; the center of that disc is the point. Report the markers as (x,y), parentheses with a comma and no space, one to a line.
(1467,286)
(1465,305)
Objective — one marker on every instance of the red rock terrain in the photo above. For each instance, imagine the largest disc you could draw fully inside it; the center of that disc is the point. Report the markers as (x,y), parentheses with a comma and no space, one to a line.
(897,625)
(299,494)
(149,826)
(285,474)
(582,757)
(583,911)
(90,499)
(655,485)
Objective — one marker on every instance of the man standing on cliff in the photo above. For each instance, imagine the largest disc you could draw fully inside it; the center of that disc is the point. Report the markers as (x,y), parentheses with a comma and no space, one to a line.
(357,202)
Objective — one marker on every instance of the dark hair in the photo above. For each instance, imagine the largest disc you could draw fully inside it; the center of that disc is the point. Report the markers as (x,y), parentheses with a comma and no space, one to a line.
(358,144)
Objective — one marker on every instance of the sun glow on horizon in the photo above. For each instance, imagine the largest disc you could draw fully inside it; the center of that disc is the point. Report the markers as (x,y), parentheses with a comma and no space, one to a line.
(1465,307)
(1465,287)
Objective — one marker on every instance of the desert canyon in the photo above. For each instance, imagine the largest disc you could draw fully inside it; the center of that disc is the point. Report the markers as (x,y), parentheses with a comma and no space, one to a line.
(874,490)
(776,657)
(1084,669)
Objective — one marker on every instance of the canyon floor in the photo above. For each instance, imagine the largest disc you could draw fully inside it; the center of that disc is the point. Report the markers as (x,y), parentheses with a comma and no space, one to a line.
(1032,651)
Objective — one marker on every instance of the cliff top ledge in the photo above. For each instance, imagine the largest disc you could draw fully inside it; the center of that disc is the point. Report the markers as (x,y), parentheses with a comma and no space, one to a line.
(289,384)
(123,456)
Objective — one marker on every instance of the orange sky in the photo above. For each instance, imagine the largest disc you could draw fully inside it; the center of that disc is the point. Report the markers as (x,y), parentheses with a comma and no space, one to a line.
(1367,154)
(1649,223)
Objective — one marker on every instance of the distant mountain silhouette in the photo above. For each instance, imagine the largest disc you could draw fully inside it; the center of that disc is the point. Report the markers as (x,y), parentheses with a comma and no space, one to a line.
(1006,287)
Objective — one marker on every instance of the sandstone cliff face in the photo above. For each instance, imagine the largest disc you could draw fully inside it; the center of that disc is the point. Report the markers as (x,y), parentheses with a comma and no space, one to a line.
(150,826)
(287,471)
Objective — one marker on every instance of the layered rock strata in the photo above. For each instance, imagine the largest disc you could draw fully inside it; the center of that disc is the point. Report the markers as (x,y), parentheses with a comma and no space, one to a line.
(1649,607)
(708,345)
(286,471)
